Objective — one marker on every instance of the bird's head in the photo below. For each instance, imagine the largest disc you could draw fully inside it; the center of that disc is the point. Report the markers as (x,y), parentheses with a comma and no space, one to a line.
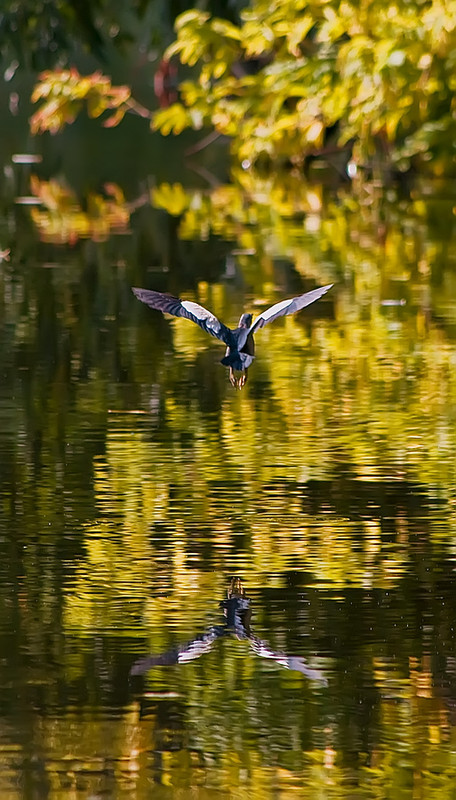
(245,321)
(236,588)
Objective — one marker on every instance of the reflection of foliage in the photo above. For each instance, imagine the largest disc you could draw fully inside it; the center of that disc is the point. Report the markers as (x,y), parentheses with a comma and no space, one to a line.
(145,559)
(63,219)
(64,93)
(119,754)
(383,75)
(173,199)
(329,485)
(281,216)
(263,213)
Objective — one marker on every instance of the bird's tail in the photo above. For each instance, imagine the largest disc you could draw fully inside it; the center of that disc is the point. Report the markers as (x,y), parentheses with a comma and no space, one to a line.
(237,360)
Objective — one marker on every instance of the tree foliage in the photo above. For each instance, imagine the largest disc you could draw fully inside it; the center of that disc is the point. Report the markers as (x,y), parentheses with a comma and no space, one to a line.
(381,75)
(64,92)
(294,80)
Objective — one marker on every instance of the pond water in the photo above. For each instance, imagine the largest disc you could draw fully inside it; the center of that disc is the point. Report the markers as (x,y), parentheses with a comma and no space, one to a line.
(136,483)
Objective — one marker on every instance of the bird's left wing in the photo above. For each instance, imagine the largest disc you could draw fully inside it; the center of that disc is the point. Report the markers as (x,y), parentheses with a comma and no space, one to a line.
(181,654)
(289,306)
(187,309)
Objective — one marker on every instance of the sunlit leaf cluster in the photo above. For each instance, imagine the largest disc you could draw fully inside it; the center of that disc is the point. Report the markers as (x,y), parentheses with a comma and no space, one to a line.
(295,79)
(63,93)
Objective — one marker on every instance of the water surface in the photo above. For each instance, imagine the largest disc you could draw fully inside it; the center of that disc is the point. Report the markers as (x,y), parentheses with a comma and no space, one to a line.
(135,483)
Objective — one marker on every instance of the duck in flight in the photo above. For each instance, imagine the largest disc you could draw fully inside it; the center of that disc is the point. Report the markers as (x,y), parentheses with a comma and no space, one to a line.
(240,346)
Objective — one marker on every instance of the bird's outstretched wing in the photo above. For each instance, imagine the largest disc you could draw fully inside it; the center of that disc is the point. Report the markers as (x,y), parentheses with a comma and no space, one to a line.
(185,308)
(262,649)
(181,654)
(288,307)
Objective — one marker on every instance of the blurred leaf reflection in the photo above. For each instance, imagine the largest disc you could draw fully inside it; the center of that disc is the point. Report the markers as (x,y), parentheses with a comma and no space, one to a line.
(135,482)
(62,220)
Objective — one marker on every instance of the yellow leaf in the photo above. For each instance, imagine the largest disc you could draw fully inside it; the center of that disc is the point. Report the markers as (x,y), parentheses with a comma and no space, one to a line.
(191,17)
(225,28)
(172,198)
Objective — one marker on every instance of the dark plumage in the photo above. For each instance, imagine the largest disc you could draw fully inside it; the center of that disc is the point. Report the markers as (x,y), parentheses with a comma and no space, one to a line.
(240,347)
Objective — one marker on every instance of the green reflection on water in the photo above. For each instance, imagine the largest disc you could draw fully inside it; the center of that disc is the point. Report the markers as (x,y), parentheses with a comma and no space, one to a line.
(135,482)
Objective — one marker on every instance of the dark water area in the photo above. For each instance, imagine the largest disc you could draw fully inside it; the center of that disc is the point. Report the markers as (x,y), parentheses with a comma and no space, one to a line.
(135,483)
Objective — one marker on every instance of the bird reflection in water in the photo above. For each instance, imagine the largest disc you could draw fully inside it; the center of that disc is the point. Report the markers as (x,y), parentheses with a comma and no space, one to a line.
(240,346)
(237,612)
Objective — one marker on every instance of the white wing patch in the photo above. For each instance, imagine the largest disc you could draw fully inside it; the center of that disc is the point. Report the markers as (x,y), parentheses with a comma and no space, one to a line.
(198,647)
(275,309)
(201,313)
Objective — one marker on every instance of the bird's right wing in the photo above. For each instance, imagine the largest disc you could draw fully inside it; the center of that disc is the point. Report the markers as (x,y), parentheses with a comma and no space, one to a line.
(262,649)
(187,309)
(289,306)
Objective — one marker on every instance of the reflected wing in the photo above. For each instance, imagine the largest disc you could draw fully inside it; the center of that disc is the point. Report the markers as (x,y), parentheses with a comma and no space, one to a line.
(262,649)
(180,655)
(185,308)
(289,306)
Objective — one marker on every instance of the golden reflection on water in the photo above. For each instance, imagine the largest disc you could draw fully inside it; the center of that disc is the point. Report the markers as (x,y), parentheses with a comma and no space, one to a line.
(328,484)
(360,393)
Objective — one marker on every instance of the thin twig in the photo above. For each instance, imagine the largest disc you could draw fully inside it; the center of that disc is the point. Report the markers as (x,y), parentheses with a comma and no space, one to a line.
(138,109)
(204,173)
(205,142)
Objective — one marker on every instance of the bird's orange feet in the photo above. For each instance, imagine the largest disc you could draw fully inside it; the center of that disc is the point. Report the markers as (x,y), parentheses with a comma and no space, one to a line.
(238,383)
(242,380)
